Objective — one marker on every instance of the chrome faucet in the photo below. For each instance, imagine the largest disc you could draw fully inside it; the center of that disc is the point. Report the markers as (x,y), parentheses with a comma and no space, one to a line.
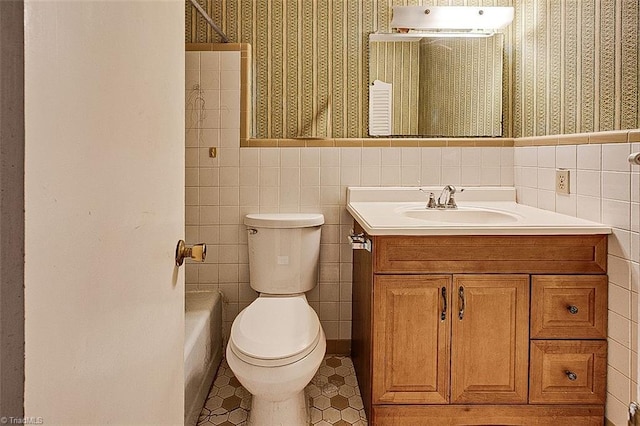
(448,202)
(446,199)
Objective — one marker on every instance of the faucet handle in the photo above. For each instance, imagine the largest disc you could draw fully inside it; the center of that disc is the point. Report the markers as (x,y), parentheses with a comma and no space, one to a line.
(451,203)
(431,203)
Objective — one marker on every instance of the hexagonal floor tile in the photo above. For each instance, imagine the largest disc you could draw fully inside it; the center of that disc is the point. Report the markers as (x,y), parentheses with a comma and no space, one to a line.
(313,391)
(326,371)
(331,415)
(339,402)
(238,416)
(347,391)
(351,381)
(221,381)
(333,361)
(333,395)
(321,402)
(226,391)
(349,414)
(336,380)
(213,402)
(231,403)
(315,414)
(329,390)
(219,419)
(356,402)
(343,371)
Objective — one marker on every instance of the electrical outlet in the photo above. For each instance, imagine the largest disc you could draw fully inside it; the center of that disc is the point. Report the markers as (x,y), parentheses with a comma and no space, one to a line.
(562,181)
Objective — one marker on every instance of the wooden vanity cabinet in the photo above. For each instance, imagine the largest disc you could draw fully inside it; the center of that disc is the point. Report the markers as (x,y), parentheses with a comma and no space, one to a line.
(474,330)
(484,361)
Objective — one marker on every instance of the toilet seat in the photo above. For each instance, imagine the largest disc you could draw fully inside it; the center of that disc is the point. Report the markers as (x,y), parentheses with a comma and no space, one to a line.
(275,331)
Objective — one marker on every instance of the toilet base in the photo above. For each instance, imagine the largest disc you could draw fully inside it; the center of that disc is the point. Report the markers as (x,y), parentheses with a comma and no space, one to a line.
(292,411)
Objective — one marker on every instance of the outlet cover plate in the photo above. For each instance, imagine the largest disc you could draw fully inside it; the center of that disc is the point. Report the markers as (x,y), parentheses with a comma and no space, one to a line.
(562,181)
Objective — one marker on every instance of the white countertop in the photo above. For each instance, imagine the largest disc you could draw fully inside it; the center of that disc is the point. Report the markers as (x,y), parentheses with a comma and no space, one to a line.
(380,211)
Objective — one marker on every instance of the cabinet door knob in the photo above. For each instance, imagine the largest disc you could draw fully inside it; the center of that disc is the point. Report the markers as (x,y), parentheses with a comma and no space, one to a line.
(571,375)
(461,301)
(443,314)
(572,309)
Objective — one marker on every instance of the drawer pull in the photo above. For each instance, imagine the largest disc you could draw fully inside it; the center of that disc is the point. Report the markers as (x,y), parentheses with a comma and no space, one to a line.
(571,375)
(572,309)
(443,314)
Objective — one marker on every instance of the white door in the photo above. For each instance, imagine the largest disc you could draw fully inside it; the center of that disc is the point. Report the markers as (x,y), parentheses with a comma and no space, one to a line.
(104,200)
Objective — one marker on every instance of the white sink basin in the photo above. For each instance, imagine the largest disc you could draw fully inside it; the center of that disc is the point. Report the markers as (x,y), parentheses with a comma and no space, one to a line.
(481,211)
(463,215)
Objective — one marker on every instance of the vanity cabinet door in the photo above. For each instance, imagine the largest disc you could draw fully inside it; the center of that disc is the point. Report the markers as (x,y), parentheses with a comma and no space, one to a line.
(490,339)
(411,339)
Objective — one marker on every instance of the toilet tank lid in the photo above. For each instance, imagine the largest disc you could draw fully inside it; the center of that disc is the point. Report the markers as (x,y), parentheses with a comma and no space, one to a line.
(284,220)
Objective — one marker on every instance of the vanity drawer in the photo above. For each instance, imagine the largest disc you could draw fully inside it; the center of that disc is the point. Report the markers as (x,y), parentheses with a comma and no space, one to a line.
(465,254)
(569,307)
(568,371)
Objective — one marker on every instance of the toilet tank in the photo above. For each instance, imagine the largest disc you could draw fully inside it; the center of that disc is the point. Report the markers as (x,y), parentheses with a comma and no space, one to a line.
(284,249)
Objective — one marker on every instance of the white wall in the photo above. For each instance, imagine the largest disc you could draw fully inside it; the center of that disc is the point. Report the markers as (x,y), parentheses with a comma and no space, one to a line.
(104,184)
(605,189)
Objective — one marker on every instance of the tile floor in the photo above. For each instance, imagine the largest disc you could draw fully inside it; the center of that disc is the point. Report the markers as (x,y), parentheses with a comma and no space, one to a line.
(334,397)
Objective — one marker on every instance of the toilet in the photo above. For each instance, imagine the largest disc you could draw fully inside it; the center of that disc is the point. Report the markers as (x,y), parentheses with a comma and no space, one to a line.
(276,343)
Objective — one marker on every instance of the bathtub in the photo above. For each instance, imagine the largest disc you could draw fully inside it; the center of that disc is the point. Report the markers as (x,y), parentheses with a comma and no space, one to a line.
(202,349)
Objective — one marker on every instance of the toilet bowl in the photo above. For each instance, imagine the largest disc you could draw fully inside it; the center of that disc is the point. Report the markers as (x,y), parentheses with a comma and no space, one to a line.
(274,351)
(276,343)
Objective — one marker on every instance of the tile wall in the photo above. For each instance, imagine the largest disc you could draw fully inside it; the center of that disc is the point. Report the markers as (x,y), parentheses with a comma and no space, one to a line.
(250,180)
(604,188)
(220,191)
(211,188)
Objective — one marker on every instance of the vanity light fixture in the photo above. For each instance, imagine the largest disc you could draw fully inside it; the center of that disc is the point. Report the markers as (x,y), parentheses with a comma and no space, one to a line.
(450,21)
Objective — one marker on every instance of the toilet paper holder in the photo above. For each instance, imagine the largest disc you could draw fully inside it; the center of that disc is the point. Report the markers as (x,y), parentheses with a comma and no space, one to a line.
(197,252)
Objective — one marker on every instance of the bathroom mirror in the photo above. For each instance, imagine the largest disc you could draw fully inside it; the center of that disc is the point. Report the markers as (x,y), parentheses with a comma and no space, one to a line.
(438,86)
